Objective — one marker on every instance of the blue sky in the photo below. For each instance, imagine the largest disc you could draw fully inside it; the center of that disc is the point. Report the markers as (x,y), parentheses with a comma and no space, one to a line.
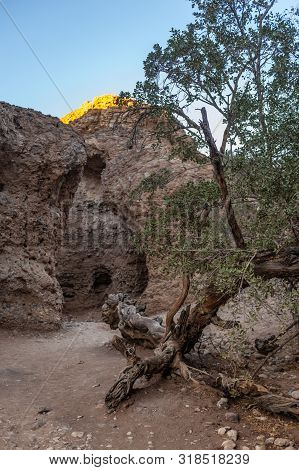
(89,47)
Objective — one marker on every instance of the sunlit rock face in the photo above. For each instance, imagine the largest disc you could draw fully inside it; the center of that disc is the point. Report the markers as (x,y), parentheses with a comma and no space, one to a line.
(41,161)
(98,256)
(99,102)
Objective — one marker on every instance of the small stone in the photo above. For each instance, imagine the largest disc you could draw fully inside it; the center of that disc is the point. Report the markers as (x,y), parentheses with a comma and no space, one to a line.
(261,438)
(43,410)
(78,434)
(197,410)
(295,394)
(129,433)
(289,448)
(228,445)
(222,403)
(232,434)
(187,406)
(80,416)
(281,442)
(260,447)
(233,417)
(245,448)
(269,441)
(222,431)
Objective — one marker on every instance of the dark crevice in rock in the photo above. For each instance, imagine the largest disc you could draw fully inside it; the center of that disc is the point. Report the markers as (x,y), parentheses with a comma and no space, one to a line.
(102,279)
(95,166)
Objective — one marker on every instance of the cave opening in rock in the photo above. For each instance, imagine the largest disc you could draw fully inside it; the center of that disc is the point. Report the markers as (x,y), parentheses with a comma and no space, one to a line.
(101,279)
(1,187)
(95,165)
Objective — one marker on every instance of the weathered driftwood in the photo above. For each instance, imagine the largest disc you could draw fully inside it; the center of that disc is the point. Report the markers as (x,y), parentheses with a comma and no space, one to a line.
(279,404)
(169,351)
(147,367)
(167,356)
(119,311)
(259,394)
(126,348)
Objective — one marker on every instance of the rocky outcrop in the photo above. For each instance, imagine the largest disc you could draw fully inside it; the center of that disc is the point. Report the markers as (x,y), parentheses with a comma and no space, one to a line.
(68,218)
(41,162)
(98,257)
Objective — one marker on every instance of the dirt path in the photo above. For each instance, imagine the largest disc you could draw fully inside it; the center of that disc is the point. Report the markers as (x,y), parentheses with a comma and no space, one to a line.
(50,397)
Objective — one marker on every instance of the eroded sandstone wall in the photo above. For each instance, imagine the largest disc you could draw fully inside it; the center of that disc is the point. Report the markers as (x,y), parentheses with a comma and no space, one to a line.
(41,163)
(97,256)
(105,216)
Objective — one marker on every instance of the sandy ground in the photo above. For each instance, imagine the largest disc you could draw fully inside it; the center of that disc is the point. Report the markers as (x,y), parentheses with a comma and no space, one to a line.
(52,389)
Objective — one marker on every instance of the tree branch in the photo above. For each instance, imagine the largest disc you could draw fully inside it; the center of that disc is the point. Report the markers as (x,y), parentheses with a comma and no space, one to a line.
(215,158)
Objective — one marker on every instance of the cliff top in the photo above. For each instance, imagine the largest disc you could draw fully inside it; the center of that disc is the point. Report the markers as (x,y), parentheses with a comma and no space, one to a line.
(99,102)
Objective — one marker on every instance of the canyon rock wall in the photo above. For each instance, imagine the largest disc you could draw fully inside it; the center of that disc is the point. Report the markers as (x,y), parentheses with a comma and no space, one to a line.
(41,163)
(98,256)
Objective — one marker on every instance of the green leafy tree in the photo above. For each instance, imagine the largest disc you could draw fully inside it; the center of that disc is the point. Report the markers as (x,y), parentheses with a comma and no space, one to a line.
(239,58)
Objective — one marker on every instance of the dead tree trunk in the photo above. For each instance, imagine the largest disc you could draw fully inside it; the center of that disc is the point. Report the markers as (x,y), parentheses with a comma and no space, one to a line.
(168,355)
(170,347)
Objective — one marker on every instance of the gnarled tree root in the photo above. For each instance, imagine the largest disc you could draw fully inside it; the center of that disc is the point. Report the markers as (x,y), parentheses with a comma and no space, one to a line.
(169,350)
(147,367)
